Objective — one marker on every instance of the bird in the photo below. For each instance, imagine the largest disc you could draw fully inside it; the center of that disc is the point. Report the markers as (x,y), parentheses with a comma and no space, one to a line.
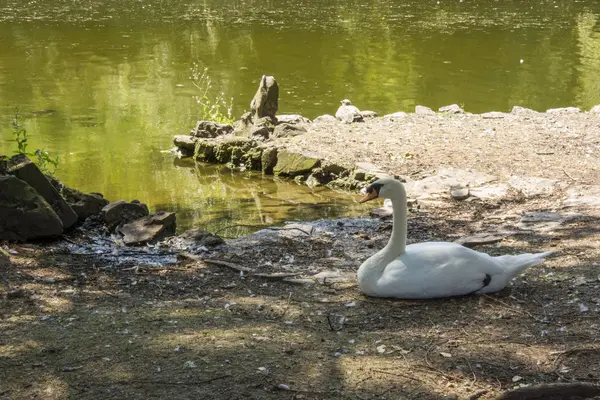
(347,113)
(430,270)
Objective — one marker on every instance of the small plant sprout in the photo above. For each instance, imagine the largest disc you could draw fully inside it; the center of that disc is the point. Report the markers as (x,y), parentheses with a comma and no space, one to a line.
(215,108)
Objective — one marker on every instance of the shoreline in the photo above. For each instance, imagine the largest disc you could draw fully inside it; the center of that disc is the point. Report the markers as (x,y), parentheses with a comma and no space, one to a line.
(557,144)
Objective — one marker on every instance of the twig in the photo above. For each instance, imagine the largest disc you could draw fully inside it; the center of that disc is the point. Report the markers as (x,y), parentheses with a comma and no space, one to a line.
(508,307)
(227,264)
(287,305)
(473,372)
(161,382)
(567,174)
(260,227)
(66,239)
(110,294)
(478,395)
(399,374)
(236,267)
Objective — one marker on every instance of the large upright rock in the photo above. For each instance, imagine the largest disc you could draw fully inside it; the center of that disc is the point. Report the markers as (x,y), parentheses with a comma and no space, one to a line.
(24,169)
(266,100)
(24,214)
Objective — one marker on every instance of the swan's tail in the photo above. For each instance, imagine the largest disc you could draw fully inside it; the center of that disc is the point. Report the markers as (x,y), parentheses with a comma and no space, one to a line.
(517,264)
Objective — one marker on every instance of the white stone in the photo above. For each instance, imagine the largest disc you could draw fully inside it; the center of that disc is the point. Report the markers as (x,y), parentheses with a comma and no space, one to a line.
(532,186)
(565,110)
(422,110)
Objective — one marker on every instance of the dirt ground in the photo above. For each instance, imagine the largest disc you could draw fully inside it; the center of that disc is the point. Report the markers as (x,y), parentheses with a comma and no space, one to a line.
(72,327)
(524,143)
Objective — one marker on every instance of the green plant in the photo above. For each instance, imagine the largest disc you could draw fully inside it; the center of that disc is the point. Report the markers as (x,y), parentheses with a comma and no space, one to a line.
(42,158)
(46,164)
(212,108)
(19,132)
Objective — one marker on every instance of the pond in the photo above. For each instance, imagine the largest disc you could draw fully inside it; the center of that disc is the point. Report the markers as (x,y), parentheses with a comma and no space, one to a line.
(106,84)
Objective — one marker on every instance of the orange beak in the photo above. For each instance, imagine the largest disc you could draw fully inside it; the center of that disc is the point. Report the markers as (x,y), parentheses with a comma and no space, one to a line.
(370,196)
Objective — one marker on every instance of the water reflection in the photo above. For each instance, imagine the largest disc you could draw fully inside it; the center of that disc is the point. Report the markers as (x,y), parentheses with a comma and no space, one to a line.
(116,72)
(236,203)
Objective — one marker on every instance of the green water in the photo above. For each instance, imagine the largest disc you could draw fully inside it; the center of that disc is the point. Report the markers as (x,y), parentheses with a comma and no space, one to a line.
(115,74)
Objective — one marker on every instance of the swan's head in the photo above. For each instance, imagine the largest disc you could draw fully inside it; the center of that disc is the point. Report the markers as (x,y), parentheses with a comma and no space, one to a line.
(346,102)
(384,188)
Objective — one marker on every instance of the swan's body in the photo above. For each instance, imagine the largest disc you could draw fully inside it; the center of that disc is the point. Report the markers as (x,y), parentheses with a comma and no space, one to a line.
(431,269)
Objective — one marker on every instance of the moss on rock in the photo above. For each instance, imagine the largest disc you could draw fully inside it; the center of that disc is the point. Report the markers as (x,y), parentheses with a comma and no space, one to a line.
(293,164)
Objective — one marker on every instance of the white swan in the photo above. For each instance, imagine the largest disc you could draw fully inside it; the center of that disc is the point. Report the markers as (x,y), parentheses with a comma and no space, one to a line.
(431,269)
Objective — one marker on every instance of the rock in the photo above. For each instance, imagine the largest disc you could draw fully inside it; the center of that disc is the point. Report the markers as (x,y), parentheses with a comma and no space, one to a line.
(452,109)
(543,220)
(532,186)
(490,192)
(325,119)
(480,239)
(382,212)
(517,110)
(312,181)
(259,132)
(185,143)
(368,172)
(347,113)
(294,164)
(84,205)
(121,212)
(292,119)
(441,184)
(205,150)
(196,237)
(233,149)
(584,195)
(493,115)
(24,169)
(149,229)
(266,100)
(3,164)
(395,116)
(459,193)
(422,110)
(24,214)
(326,173)
(288,130)
(253,158)
(563,110)
(368,114)
(210,129)
(595,109)
(268,160)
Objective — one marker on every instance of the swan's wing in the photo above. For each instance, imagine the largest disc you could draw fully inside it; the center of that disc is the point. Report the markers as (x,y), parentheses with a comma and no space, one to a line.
(429,270)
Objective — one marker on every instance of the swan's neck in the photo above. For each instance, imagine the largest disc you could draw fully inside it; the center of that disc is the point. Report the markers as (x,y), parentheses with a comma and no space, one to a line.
(371,271)
(396,246)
